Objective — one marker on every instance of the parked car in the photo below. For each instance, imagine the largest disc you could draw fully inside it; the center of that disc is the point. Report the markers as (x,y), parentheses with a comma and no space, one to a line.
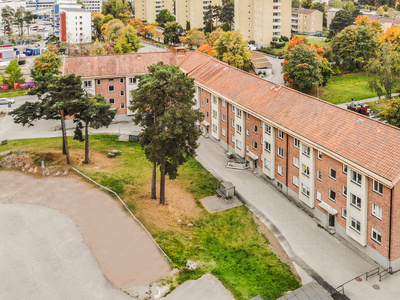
(6,101)
(281,56)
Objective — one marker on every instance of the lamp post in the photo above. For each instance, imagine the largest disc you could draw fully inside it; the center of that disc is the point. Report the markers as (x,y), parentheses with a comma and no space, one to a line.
(317,89)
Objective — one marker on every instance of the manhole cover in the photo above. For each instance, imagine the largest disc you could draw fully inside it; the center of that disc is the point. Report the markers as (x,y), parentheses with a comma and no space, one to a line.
(375,286)
(358,279)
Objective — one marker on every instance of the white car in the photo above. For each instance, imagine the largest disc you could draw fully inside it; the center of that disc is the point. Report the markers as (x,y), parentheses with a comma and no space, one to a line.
(6,101)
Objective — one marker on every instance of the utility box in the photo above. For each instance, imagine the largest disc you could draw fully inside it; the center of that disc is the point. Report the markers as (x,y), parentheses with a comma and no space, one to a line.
(134,136)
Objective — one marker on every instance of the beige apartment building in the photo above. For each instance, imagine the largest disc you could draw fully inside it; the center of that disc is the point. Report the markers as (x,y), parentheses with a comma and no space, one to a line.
(260,21)
(306,21)
(190,10)
(149,9)
(330,14)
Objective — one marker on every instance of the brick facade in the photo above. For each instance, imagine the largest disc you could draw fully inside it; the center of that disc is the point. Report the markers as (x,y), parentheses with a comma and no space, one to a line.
(119,100)
(254,137)
(292,170)
(223,123)
(281,161)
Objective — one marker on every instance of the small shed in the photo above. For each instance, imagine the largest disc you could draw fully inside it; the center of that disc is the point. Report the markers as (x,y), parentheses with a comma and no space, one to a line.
(134,136)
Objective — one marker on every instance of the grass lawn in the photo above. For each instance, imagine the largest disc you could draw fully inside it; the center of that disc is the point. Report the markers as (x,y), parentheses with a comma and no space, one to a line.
(228,244)
(340,89)
(12,93)
(378,107)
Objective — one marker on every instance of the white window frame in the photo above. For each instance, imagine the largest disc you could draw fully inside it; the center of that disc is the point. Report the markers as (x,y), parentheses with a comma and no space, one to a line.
(223,132)
(329,195)
(233,108)
(214,99)
(330,174)
(305,170)
(223,104)
(207,100)
(319,196)
(255,145)
(201,103)
(319,175)
(296,162)
(121,80)
(111,101)
(87,83)
(247,131)
(280,134)
(267,129)
(239,113)
(238,144)
(132,80)
(306,150)
(379,189)
(280,170)
(113,88)
(98,81)
(355,225)
(267,164)
(207,115)
(280,152)
(267,146)
(296,143)
(344,190)
(215,128)
(344,213)
(377,211)
(357,176)
(344,168)
(255,128)
(233,138)
(215,114)
(247,116)
(355,201)
(295,181)
(238,129)
(110,79)
(305,190)
(319,155)
(122,93)
(223,118)
(376,236)
(122,105)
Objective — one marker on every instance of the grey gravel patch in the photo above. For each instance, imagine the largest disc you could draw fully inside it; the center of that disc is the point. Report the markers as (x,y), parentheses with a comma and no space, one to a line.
(214,204)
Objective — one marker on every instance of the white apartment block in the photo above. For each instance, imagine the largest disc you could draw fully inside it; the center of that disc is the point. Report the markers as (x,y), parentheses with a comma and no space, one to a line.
(190,10)
(260,21)
(148,10)
(75,26)
(93,5)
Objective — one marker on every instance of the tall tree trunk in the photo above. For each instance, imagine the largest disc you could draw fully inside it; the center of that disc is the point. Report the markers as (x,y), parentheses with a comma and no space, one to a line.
(154,182)
(87,143)
(162,180)
(65,137)
(63,140)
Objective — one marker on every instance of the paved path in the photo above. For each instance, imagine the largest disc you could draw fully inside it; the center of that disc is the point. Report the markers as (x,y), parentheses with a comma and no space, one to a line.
(344,105)
(125,253)
(314,251)
(43,256)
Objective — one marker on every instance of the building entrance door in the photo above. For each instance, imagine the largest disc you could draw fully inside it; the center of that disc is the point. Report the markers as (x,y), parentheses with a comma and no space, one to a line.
(255,164)
(331,220)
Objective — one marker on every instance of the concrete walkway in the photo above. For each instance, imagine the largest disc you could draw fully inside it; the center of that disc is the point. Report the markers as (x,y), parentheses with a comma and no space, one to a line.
(344,105)
(315,253)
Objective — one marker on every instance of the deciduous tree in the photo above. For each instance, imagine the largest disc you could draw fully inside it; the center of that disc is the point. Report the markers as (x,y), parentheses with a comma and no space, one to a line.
(128,41)
(295,3)
(233,50)
(7,16)
(193,38)
(306,3)
(164,16)
(392,112)
(207,49)
(342,19)
(172,32)
(214,36)
(163,105)
(14,74)
(392,35)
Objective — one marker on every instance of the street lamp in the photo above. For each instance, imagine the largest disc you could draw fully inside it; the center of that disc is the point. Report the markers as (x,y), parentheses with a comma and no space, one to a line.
(317,89)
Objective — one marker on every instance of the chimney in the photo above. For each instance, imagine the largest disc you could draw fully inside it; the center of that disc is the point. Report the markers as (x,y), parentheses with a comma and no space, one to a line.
(180,51)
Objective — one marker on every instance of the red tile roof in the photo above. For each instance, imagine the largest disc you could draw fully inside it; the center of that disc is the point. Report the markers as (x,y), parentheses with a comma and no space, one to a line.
(365,144)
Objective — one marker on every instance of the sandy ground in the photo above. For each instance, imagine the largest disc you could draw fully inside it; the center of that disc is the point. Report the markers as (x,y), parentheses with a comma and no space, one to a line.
(124,252)
(43,257)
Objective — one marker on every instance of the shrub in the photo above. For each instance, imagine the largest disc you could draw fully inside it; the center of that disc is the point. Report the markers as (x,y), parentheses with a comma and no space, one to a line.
(285,38)
(280,45)
(275,39)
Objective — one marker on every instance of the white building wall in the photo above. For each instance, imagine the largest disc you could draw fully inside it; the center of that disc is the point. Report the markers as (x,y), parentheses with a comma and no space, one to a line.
(79,26)
(269,157)
(130,86)
(308,180)
(88,86)
(215,115)
(93,5)
(240,145)
(352,211)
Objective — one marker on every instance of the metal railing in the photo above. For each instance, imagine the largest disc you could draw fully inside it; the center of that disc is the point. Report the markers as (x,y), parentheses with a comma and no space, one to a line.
(385,272)
(127,208)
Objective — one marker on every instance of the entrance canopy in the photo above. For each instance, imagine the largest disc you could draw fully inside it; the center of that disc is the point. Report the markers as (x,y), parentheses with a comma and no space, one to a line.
(328,208)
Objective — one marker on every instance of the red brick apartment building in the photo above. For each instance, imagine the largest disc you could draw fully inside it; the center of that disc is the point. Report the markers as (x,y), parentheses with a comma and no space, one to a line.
(341,167)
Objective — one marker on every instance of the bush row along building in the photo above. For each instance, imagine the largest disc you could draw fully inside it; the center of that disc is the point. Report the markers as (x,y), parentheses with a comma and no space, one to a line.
(343,168)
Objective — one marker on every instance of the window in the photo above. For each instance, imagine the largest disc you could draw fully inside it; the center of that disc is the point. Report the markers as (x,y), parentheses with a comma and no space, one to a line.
(280,152)
(344,169)
(306,150)
(295,161)
(305,190)
(267,163)
(207,114)
(238,129)
(233,138)
(122,105)
(215,128)
(201,91)
(111,88)
(247,147)
(98,81)
(121,80)
(223,118)
(223,103)
(233,108)
(233,123)
(344,213)
(201,103)
(319,155)
(305,170)
(122,93)
(239,113)
(267,147)
(280,170)
(377,211)
(296,143)
(267,129)
(376,236)
(332,173)
(355,201)
(280,134)
(112,101)
(255,128)
(223,132)
(332,195)
(319,175)
(99,94)
(356,177)
(206,100)
(132,80)
(319,196)
(255,145)
(111,79)
(296,181)
(355,225)
(247,131)
(214,99)
(87,83)
(344,190)
(214,114)
(247,116)
(238,144)
(378,187)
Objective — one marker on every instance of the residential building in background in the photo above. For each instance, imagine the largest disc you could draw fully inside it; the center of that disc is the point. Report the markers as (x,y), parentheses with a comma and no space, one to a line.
(93,5)
(260,21)
(75,26)
(386,22)
(148,10)
(193,11)
(341,167)
(306,21)
(330,14)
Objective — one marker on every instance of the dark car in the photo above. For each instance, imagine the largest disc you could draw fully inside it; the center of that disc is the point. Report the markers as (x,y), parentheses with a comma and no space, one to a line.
(281,56)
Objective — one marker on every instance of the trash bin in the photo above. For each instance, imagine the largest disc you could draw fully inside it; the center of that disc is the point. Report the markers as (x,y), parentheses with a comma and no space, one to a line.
(134,136)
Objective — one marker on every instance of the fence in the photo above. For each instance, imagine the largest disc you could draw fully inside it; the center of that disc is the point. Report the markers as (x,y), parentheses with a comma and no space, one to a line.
(126,207)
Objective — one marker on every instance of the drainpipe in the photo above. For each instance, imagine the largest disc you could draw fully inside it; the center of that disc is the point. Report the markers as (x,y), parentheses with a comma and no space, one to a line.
(287,164)
(390,224)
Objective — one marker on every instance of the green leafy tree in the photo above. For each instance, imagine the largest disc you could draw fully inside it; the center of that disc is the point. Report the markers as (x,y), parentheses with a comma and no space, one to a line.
(321,8)
(163,105)
(302,67)
(233,50)
(164,16)
(19,19)
(115,7)
(48,62)
(228,13)
(337,4)
(97,19)
(208,18)
(217,10)
(342,19)
(306,3)
(7,15)
(392,112)
(384,70)
(193,38)
(14,74)
(353,46)
(91,111)
(106,19)
(172,32)
(114,29)
(29,17)
(295,3)
(128,41)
